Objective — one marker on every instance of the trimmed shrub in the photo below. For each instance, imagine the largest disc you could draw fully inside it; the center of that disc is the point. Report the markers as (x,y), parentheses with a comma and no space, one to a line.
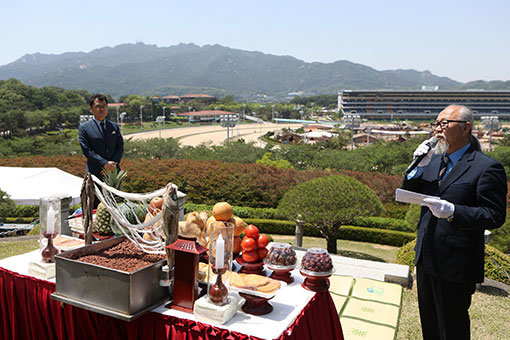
(379,236)
(19,220)
(491,270)
(383,223)
(243,212)
(327,203)
(395,210)
(413,215)
(406,256)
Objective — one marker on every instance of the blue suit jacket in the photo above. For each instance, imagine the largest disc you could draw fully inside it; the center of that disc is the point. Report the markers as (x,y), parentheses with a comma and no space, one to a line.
(93,146)
(454,250)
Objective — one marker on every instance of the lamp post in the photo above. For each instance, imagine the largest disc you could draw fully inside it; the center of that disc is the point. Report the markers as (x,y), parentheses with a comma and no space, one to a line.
(244,111)
(117,115)
(260,133)
(141,119)
(164,107)
(352,121)
(301,113)
(122,115)
(490,122)
(272,120)
(159,120)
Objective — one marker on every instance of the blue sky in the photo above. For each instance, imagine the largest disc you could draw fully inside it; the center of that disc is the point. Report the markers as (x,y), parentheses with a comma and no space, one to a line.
(464,40)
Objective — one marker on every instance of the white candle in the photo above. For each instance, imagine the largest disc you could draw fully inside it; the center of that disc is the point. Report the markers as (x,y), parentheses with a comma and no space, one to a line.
(50,221)
(220,252)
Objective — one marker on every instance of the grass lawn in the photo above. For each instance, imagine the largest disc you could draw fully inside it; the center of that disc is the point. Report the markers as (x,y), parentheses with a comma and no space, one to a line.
(489,308)
(8,248)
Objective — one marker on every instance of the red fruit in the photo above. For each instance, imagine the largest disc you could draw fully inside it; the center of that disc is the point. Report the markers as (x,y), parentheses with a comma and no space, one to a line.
(252,231)
(155,203)
(262,241)
(250,256)
(262,253)
(248,244)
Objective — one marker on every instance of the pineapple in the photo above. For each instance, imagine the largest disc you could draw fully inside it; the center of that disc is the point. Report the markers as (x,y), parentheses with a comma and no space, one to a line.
(115,179)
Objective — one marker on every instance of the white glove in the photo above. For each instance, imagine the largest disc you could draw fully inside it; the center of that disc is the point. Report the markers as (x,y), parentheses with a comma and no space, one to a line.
(423,149)
(440,208)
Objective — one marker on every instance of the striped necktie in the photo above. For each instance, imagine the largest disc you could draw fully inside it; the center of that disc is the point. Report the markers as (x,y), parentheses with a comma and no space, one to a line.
(444,165)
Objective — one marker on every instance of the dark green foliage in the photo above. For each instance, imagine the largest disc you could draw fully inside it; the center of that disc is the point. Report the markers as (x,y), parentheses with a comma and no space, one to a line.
(6,205)
(379,236)
(383,223)
(243,212)
(16,219)
(406,256)
(413,215)
(329,202)
(151,148)
(395,210)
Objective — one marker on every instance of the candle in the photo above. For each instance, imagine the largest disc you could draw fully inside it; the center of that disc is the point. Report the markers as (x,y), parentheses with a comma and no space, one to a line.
(50,221)
(220,252)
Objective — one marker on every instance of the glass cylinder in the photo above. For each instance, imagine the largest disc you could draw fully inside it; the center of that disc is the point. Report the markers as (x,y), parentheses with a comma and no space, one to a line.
(49,226)
(221,245)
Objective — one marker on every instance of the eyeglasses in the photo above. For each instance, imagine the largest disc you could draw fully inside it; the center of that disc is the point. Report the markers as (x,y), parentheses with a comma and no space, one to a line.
(444,123)
(99,107)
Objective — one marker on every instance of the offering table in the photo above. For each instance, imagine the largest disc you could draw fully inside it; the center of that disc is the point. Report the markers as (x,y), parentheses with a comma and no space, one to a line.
(28,312)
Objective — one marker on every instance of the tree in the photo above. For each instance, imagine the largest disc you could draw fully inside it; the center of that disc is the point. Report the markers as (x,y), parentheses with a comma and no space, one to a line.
(327,203)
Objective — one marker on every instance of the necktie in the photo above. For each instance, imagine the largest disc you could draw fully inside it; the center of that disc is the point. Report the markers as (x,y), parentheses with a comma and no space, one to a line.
(103,131)
(444,165)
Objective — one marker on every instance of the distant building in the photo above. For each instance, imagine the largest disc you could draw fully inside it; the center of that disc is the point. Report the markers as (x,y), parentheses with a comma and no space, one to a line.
(421,104)
(170,99)
(197,97)
(206,117)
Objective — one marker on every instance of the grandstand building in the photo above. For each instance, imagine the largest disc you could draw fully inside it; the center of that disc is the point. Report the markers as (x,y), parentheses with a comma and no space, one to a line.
(422,104)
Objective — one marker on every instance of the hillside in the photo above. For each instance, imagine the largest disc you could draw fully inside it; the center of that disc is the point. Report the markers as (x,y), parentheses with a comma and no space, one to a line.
(184,68)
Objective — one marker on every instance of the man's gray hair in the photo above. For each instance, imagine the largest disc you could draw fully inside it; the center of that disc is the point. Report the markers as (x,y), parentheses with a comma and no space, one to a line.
(466,114)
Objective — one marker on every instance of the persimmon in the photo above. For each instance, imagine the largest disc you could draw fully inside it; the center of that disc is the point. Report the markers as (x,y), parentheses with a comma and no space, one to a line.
(248,244)
(252,231)
(262,253)
(250,256)
(262,241)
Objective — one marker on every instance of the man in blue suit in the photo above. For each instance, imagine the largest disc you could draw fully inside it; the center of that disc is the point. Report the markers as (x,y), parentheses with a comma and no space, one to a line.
(471,190)
(100,139)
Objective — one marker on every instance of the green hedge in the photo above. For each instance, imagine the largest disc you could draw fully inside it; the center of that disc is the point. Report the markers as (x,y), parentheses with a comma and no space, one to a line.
(383,223)
(20,220)
(395,210)
(406,255)
(243,212)
(352,233)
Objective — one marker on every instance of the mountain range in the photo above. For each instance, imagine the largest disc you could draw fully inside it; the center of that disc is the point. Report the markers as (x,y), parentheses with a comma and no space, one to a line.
(213,69)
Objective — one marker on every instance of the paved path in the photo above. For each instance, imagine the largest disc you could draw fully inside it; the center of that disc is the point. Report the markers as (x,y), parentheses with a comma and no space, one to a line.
(193,136)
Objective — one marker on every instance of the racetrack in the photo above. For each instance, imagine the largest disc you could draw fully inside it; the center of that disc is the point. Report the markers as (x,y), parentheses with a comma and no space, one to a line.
(214,134)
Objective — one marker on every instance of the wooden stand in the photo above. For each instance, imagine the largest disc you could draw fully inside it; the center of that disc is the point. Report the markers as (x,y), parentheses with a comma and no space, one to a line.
(282,275)
(316,283)
(251,268)
(256,305)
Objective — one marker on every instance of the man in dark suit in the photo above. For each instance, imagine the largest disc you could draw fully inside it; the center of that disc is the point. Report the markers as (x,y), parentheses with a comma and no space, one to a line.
(100,139)
(471,190)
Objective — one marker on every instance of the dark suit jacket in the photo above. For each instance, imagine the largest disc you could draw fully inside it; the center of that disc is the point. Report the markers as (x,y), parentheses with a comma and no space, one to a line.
(93,146)
(454,250)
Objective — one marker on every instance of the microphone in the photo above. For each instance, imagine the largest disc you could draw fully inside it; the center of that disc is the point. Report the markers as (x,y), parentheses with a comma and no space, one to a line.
(431,143)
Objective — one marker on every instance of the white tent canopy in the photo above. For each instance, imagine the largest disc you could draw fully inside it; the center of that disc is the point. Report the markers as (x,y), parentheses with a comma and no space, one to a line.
(26,186)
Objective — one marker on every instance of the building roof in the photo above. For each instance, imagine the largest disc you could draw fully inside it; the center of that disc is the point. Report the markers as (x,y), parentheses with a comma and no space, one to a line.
(171,97)
(116,104)
(197,95)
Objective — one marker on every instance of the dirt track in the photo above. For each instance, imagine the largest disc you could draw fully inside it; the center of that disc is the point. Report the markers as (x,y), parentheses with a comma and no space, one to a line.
(214,134)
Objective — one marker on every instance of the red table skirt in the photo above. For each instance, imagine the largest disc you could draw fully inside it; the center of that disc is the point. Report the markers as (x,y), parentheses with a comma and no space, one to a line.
(28,312)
